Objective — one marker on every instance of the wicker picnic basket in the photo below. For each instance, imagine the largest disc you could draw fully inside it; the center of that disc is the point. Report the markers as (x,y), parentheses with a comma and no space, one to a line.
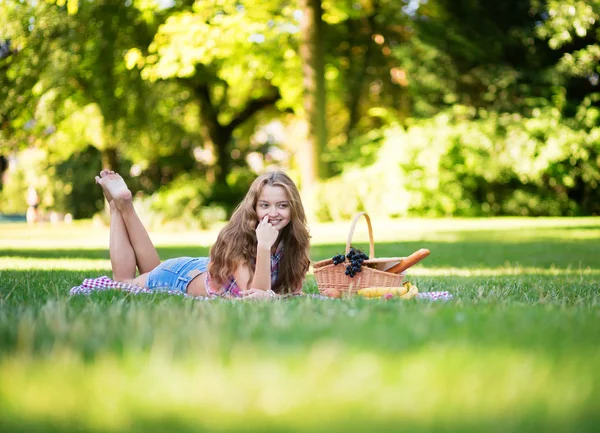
(330,276)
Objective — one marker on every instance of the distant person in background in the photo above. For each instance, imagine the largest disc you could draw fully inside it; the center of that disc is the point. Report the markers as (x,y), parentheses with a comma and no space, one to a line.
(33,201)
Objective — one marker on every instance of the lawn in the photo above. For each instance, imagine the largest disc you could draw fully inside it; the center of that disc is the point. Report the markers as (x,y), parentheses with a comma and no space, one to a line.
(517,349)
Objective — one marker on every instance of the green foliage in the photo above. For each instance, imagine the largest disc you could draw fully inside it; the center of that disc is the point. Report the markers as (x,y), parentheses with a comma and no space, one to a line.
(366,88)
(67,79)
(63,186)
(182,203)
(243,47)
(493,106)
(190,201)
(73,181)
(14,193)
(568,21)
(490,165)
(29,171)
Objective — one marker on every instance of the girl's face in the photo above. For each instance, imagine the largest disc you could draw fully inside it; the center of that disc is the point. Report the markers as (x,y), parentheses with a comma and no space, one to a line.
(274,203)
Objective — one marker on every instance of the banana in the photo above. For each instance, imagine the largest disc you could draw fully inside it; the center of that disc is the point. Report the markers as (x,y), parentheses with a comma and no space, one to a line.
(377,292)
(411,293)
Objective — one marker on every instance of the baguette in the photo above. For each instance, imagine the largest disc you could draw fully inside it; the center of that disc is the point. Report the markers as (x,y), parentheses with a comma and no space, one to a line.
(411,260)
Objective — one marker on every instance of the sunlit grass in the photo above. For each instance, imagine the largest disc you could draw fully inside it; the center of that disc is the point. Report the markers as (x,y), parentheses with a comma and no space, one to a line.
(88,235)
(25,263)
(328,386)
(515,350)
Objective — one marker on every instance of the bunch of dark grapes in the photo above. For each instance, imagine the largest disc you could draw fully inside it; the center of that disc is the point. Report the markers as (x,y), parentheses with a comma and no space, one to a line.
(338,259)
(355,258)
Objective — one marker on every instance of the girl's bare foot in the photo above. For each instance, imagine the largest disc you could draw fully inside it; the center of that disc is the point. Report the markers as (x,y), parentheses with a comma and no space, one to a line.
(115,189)
(107,195)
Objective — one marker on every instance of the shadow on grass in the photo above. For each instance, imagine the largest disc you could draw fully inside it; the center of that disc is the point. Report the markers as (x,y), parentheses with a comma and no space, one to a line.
(459,254)
(336,420)
(477,254)
(582,227)
(164,252)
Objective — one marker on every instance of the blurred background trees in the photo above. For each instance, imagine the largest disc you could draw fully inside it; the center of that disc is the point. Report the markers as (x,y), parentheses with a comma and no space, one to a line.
(418,107)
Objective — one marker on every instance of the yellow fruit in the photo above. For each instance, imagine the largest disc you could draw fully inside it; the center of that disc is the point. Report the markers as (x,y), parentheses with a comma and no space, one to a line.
(377,292)
(411,293)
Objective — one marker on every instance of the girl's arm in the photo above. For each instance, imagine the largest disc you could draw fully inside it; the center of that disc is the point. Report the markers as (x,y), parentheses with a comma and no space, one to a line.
(262,273)
(242,277)
(266,236)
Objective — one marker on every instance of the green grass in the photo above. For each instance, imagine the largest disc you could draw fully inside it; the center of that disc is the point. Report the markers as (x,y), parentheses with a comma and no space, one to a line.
(516,350)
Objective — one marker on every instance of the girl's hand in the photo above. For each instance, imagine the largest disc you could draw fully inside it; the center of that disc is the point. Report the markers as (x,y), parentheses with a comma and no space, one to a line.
(258,294)
(266,234)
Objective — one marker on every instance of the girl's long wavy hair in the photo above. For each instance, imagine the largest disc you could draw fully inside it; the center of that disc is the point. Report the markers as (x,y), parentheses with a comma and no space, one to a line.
(236,243)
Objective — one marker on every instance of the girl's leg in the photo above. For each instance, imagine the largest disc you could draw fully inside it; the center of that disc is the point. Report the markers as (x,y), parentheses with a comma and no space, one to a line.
(115,188)
(145,253)
(122,255)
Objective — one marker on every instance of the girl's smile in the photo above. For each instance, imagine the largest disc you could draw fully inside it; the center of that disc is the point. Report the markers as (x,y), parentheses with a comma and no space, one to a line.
(274,203)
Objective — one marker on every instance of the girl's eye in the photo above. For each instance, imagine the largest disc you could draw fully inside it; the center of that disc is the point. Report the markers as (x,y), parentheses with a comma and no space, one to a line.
(283,206)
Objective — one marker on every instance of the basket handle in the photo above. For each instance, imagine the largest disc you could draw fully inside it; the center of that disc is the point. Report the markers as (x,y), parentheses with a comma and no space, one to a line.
(351,233)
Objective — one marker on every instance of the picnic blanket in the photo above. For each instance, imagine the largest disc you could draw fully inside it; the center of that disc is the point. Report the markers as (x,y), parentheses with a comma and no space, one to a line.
(103,283)
(90,285)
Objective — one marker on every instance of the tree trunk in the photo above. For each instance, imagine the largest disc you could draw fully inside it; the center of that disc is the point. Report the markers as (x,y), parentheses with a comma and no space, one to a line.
(313,67)
(3,167)
(223,158)
(216,135)
(219,136)
(357,80)
(110,160)
(312,54)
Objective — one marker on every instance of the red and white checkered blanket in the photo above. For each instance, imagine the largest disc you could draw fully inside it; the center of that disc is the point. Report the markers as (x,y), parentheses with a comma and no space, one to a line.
(435,296)
(90,285)
(431,296)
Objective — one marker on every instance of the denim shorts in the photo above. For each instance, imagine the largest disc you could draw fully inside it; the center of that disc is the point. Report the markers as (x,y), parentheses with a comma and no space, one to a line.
(176,274)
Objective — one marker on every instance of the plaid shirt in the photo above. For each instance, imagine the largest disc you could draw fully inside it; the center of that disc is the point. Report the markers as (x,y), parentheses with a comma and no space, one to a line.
(231,288)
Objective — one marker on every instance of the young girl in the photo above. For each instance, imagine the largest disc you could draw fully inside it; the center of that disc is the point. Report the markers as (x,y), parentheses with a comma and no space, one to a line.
(262,252)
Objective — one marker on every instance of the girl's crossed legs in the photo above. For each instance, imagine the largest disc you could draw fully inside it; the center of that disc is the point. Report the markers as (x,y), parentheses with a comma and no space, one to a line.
(130,245)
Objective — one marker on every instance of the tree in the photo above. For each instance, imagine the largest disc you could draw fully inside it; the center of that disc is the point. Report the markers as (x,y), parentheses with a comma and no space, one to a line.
(66,87)
(367,83)
(312,52)
(572,29)
(237,59)
(67,83)
(17,80)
